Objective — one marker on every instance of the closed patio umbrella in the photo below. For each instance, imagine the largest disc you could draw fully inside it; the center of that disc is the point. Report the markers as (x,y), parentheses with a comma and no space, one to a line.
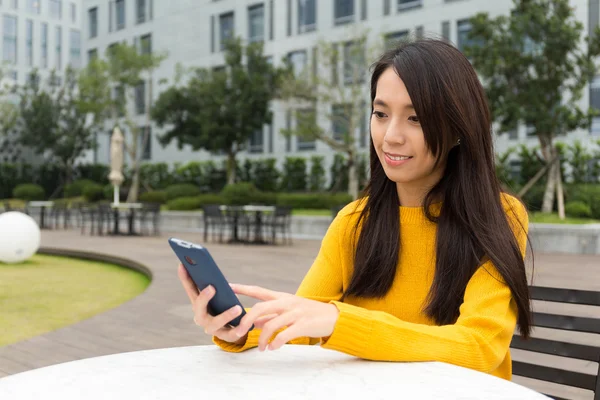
(116,162)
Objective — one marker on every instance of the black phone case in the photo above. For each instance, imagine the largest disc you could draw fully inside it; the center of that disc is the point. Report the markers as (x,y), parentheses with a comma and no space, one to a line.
(204,271)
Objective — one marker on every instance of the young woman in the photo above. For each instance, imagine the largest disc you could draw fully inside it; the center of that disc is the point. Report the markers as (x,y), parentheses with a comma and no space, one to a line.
(429,264)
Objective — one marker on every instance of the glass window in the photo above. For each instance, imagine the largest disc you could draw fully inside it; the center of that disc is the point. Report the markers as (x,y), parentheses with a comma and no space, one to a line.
(595,103)
(354,63)
(33,6)
(93,21)
(44,37)
(305,120)
(226,28)
(145,142)
(140,98)
(15,5)
(9,53)
(120,8)
(58,41)
(406,4)
(344,11)
(298,61)
(73,12)
(29,41)
(146,44)
(75,48)
(340,123)
(463,28)
(56,8)
(141,10)
(392,39)
(256,142)
(307,16)
(92,54)
(256,23)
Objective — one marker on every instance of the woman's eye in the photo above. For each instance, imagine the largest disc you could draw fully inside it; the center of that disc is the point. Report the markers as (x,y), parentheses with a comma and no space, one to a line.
(414,118)
(379,114)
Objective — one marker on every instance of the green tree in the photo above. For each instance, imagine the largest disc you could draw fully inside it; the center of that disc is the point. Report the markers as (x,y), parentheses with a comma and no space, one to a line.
(9,113)
(534,69)
(579,158)
(330,106)
(54,120)
(219,111)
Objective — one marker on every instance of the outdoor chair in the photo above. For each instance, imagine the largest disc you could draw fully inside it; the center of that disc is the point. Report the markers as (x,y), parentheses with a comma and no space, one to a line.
(281,220)
(88,213)
(149,213)
(215,218)
(557,373)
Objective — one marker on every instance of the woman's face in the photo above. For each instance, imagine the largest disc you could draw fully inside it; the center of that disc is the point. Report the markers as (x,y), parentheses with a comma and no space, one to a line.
(398,137)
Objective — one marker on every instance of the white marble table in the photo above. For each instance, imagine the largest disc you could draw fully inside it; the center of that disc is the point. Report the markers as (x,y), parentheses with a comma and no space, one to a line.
(292,372)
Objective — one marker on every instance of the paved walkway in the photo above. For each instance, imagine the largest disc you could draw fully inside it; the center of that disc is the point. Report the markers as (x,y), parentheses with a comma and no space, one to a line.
(162,316)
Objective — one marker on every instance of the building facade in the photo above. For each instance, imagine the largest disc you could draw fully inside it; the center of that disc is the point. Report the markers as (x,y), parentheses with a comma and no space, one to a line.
(192,32)
(37,34)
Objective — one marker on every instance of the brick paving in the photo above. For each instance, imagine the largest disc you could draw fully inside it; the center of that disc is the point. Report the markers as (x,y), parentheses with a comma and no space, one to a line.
(162,317)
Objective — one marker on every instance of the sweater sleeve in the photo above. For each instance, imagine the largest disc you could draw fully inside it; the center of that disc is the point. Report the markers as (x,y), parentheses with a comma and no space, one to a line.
(323,282)
(479,339)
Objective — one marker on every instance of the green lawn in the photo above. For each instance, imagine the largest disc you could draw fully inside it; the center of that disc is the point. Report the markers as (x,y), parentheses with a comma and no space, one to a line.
(46,293)
(553,219)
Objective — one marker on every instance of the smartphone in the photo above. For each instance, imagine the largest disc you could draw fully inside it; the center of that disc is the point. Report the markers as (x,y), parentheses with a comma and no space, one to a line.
(203,270)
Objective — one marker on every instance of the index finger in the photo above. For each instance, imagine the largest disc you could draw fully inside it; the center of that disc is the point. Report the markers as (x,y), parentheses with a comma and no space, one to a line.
(255,292)
(188,284)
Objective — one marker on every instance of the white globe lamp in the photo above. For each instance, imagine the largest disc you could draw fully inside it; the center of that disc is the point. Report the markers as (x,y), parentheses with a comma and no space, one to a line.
(20,237)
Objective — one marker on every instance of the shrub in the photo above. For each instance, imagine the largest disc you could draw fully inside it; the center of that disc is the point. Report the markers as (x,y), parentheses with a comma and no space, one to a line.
(587,194)
(29,192)
(534,197)
(93,192)
(313,201)
(155,196)
(182,190)
(184,203)
(241,193)
(578,209)
(75,189)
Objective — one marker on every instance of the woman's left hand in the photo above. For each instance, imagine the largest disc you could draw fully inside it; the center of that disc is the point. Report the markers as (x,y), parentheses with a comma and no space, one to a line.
(302,317)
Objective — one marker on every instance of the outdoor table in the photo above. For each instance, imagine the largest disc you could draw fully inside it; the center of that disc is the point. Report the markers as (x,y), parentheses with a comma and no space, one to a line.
(42,205)
(258,211)
(292,372)
(124,206)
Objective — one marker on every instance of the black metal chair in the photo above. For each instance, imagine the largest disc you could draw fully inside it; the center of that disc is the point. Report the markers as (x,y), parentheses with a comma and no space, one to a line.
(150,212)
(557,374)
(215,218)
(281,220)
(87,213)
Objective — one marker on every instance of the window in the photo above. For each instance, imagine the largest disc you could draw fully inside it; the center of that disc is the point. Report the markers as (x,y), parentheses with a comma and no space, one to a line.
(530,131)
(354,63)
(386,7)
(56,9)
(118,97)
(145,142)
(58,42)
(93,21)
(29,41)
(595,103)
(44,37)
(363,10)
(256,142)
(306,119)
(392,39)
(33,6)
(140,98)
(463,28)
(407,4)
(92,54)
(73,12)
(142,11)
(340,123)
(146,44)
(10,39)
(298,61)
(256,23)
(343,11)
(120,12)
(446,30)
(15,5)
(75,48)
(307,16)
(513,134)
(226,28)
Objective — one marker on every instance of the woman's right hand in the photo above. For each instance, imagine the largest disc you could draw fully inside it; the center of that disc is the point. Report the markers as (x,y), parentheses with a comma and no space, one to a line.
(217,325)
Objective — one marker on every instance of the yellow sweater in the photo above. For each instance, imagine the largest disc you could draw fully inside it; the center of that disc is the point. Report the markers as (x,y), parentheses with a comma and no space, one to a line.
(395,328)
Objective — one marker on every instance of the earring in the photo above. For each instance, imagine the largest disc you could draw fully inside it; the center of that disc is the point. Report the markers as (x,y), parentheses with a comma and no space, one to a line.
(458,142)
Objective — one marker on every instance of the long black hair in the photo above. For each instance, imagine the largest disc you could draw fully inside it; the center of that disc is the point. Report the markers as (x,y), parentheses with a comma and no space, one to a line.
(472,225)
